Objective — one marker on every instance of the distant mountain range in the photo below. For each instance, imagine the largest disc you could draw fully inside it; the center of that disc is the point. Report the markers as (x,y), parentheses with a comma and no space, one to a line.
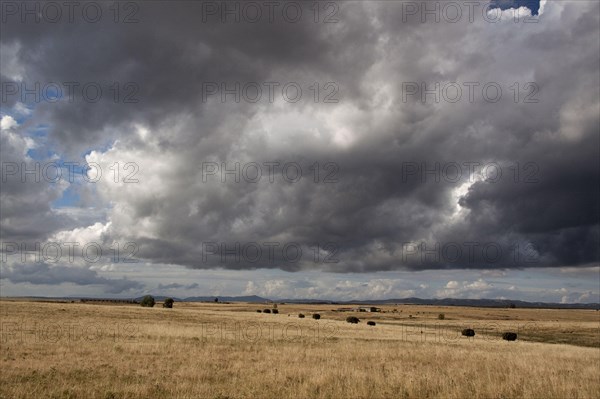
(494,303)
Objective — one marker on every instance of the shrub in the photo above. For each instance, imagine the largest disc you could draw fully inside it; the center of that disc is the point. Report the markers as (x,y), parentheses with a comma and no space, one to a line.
(168,303)
(267,311)
(468,332)
(300,315)
(258,311)
(509,336)
(371,323)
(275,311)
(316,316)
(512,306)
(274,306)
(148,301)
(441,316)
(352,319)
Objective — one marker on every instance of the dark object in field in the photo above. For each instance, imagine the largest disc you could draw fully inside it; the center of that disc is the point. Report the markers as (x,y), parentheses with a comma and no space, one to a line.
(468,332)
(275,311)
(258,311)
(371,323)
(267,311)
(168,303)
(509,336)
(300,315)
(441,316)
(148,301)
(316,316)
(352,319)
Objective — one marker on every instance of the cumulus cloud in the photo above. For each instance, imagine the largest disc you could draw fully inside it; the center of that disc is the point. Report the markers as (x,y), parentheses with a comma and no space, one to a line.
(337,289)
(467,289)
(371,216)
(8,122)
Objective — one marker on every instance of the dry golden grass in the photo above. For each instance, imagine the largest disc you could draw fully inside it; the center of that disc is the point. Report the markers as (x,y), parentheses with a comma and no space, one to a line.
(74,350)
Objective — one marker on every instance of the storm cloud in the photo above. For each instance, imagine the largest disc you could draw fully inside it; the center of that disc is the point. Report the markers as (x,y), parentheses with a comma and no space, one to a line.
(399,155)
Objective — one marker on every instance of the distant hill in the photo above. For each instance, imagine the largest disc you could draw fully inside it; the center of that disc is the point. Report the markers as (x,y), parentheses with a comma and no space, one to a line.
(494,303)
(250,298)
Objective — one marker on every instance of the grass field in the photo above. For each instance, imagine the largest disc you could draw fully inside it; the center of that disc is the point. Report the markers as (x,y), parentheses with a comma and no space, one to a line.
(209,350)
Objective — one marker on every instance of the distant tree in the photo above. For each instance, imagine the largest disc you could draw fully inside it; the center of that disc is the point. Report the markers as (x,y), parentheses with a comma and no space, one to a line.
(267,311)
(258,311)
(275,311)
(300,315)
(274,306)
(352,319)
(216,299)
(441,316)
(168,303)
(148,301)
(512,306)
(371,323)
(316,316)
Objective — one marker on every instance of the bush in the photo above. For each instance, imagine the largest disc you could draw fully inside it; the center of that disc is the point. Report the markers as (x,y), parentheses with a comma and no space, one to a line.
(441,316)
(371,323)
(300,315)
(352,319)
(275,311)
(258,311)
(468,332)
(148,301)
(316,316)
(274,306)
(267,311)
(168,303)
(512,306)
(509,336)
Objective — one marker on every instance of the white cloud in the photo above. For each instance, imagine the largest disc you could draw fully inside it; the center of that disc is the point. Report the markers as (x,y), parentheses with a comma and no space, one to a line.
(8,122)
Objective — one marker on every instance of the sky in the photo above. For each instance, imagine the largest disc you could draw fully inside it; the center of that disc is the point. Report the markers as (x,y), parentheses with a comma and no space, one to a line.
(326,150)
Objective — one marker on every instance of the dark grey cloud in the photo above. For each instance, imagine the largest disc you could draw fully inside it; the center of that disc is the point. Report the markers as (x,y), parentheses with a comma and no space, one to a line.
(373,214)
(44,274)
(177,286)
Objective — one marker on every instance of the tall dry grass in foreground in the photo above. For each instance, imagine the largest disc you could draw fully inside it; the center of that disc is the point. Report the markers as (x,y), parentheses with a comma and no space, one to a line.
(64,350)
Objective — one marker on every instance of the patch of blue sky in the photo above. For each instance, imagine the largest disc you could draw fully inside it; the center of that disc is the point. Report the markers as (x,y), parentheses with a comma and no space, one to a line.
(70,198)
(533,5)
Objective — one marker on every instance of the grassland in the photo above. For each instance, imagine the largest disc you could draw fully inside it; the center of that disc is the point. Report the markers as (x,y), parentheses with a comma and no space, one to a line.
(201,350)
